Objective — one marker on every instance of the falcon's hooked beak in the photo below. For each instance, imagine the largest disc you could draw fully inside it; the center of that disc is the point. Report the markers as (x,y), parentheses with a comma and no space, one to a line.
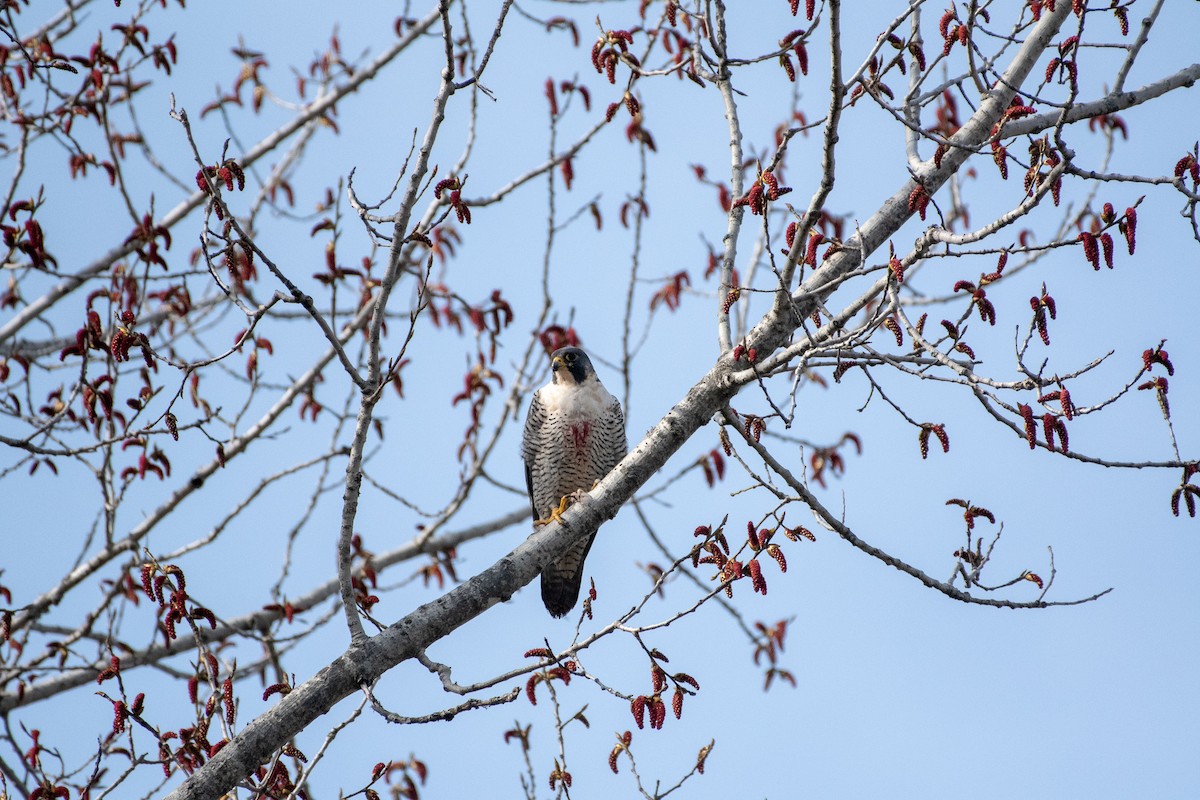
(559,369)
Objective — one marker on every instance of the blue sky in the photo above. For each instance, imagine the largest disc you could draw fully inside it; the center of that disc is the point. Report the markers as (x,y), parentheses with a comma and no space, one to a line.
(900,690)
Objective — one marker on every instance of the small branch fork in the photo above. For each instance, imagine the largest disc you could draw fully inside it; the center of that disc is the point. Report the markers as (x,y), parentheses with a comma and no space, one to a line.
(835,524)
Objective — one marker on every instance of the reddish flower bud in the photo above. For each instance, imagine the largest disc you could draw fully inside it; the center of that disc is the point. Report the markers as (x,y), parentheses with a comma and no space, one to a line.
(788,69)
(1051,68)
(120,714)
(1106,244)
(638,709)
(1000,157)
(944,23)
(1064,399)
(1161,357)
(1130,228)
(281,689)
(801,57)
(918,55)
(795,534)
(1048,302)
(1048,429)
(939,430)
(1030,426)
(658,678)
(1122,15)
(810,253)
(658,712)
(776,552)
(1060,428)
(892,325)
(756,577)
(1039,320)
(918,200)
(227,699)
(1090,251)
(1185,164)
(941,151)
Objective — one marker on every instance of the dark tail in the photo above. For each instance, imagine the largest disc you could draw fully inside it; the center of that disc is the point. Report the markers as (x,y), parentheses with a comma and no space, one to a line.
(562,579)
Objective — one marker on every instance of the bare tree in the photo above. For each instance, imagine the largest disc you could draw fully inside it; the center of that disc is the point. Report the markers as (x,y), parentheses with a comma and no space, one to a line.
(180,380)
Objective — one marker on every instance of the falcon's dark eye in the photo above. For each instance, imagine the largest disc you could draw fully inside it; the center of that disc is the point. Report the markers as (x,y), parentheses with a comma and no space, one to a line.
(571,358)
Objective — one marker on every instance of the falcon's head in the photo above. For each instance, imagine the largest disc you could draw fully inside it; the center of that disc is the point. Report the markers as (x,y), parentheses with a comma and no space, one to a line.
(571,366)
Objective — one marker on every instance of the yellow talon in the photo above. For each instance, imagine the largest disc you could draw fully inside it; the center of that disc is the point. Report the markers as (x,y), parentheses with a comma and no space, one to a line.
(563,504)
(556,514)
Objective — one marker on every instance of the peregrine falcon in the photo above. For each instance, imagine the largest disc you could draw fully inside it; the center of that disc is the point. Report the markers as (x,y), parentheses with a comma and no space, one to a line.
(574,434)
